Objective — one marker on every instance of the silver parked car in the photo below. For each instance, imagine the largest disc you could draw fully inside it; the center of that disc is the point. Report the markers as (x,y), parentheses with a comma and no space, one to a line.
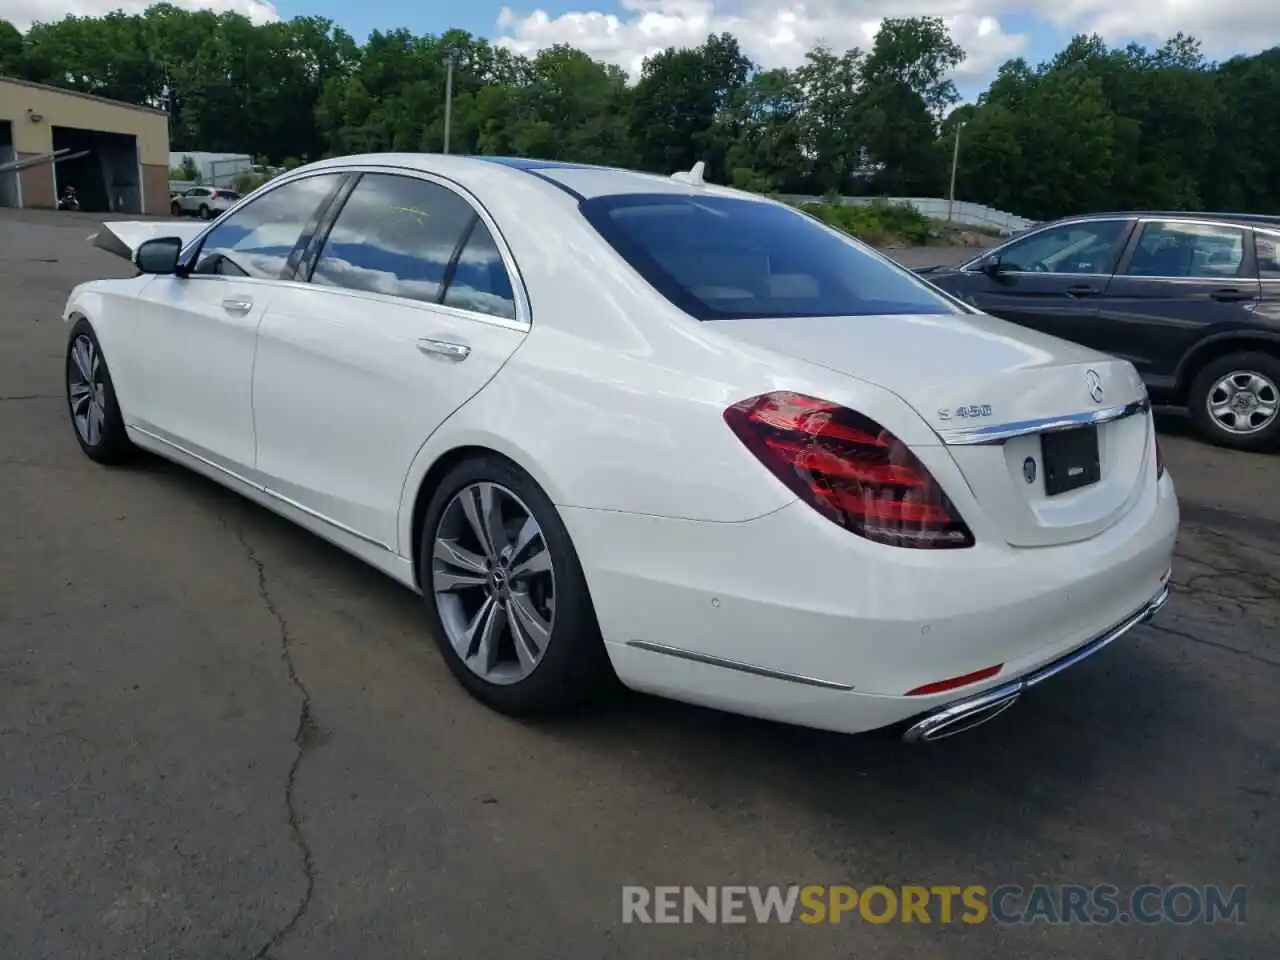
(203,202)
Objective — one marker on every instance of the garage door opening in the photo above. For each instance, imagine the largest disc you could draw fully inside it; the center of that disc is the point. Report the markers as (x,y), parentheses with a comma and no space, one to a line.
(105,178)
(8,181)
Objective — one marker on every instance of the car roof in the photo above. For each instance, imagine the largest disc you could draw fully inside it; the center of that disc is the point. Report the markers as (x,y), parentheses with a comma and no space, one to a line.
(581,181)
(1240,219)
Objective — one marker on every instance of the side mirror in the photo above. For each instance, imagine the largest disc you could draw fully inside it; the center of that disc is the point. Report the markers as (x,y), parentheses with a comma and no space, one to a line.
(991,265)
(158,256)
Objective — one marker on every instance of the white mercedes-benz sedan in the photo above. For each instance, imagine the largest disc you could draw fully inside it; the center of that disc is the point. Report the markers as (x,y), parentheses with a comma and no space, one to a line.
(620,426)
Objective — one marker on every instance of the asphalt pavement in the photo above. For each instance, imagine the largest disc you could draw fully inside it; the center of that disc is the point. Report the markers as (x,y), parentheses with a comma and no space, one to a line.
(220,737)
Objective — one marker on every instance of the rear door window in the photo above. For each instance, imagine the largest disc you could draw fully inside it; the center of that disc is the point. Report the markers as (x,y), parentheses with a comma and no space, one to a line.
(395,235)
(1187,250)
(721,258)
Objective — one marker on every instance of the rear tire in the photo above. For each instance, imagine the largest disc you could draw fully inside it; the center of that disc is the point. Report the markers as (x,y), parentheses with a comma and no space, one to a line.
(519,671)
(91,399)
(1235,401)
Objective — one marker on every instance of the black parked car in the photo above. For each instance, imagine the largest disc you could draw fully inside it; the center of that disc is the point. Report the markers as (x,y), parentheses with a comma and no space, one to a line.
(1191,299)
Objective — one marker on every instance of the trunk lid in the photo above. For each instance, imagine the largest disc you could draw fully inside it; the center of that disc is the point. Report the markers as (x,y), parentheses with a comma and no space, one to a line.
(975,380)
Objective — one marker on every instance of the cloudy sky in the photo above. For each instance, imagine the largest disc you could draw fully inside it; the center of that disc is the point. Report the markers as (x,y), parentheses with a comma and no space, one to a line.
(773,33)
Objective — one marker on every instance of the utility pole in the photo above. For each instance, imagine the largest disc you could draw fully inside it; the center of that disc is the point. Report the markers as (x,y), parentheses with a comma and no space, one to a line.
(955,161)
(448,102)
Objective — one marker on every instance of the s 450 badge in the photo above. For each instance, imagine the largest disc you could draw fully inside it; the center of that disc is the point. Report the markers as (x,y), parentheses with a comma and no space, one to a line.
(973,411)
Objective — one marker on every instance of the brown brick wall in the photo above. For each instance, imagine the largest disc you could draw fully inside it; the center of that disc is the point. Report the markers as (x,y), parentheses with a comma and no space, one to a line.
(37,184)
(155,189)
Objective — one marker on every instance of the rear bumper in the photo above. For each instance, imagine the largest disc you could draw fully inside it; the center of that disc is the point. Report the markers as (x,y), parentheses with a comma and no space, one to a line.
(969,712)
(791,618)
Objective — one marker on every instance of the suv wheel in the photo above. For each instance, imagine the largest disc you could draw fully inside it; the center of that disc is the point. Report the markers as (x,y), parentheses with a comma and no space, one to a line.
(1235,401)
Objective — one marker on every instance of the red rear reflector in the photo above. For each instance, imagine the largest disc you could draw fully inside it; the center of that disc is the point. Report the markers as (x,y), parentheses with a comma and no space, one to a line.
(850,469)
(942,686)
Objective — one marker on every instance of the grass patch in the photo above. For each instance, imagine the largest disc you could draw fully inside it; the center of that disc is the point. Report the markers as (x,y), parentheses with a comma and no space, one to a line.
(880,222)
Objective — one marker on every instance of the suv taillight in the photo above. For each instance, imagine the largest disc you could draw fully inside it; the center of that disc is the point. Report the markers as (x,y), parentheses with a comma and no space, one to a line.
(850,469)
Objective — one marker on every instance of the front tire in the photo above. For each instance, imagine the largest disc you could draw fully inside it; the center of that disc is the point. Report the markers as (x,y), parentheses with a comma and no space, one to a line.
(91,399)
(505,592)
(175,208)
(205,212)
(1235,401)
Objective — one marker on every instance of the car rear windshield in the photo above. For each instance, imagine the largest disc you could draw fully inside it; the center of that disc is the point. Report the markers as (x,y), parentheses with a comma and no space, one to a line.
(722,258)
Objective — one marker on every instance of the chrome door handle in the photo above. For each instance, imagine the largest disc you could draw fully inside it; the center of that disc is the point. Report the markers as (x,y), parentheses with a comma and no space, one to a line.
(238,305)
(445,348)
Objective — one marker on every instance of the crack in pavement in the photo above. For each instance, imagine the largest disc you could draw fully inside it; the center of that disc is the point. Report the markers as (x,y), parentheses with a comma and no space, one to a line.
(1217,644)
(303,738)
(30,396)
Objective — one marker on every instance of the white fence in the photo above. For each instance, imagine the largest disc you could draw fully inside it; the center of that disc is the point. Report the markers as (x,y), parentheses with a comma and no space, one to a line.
(968,214)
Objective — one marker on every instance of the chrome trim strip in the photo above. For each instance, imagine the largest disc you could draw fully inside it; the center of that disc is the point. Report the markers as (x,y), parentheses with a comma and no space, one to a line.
(195,456)
(934,725)
(274,495)
(735,665)
(999,432)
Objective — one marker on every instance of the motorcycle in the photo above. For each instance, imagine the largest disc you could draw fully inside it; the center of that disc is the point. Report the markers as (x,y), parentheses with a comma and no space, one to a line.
(69,200)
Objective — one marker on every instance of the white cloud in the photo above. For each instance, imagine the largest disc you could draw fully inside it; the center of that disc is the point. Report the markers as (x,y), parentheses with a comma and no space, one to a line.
(22,13)
(773,34)
(779,33)
(1224,27)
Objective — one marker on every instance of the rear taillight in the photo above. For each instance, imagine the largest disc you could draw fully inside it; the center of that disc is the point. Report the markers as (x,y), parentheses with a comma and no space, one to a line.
(850,469)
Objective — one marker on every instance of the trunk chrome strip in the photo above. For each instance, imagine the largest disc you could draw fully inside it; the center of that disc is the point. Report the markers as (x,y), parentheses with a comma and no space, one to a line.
(1000,432)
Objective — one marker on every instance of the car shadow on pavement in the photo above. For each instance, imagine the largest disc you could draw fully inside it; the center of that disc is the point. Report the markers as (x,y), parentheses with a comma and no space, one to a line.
(1117,726)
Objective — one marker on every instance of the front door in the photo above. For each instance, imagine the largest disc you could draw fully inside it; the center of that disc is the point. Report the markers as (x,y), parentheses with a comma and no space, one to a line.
(195,335)
(1052,280)
(410,310)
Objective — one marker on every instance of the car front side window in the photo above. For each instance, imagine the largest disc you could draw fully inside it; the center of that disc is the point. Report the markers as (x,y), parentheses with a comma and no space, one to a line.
(256,241)
(1188,250)
(395,235)
(1084,248)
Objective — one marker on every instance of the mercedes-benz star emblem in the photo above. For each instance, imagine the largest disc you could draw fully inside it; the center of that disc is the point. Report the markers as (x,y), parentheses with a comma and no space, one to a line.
(1094,382)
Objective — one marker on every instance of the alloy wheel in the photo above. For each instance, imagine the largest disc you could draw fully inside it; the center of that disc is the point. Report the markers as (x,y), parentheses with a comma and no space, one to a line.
(1243,402)
(87,390)
(493,581)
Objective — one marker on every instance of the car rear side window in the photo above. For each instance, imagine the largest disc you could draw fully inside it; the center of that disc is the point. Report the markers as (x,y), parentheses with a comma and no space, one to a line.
(1177,249)
(480,281)
(724,258)
(1268,247)
(396,236)
(257,239)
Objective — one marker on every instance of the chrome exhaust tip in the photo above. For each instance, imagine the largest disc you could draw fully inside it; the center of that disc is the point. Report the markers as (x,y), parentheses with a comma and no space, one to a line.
(976,710)
(964,716)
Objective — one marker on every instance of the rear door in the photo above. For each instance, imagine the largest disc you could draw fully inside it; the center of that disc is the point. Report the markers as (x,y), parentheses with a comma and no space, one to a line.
(1052,280)
(409,308)
(1178,281)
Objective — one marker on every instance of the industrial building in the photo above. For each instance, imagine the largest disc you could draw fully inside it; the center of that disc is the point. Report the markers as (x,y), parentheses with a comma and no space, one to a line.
(116,155)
